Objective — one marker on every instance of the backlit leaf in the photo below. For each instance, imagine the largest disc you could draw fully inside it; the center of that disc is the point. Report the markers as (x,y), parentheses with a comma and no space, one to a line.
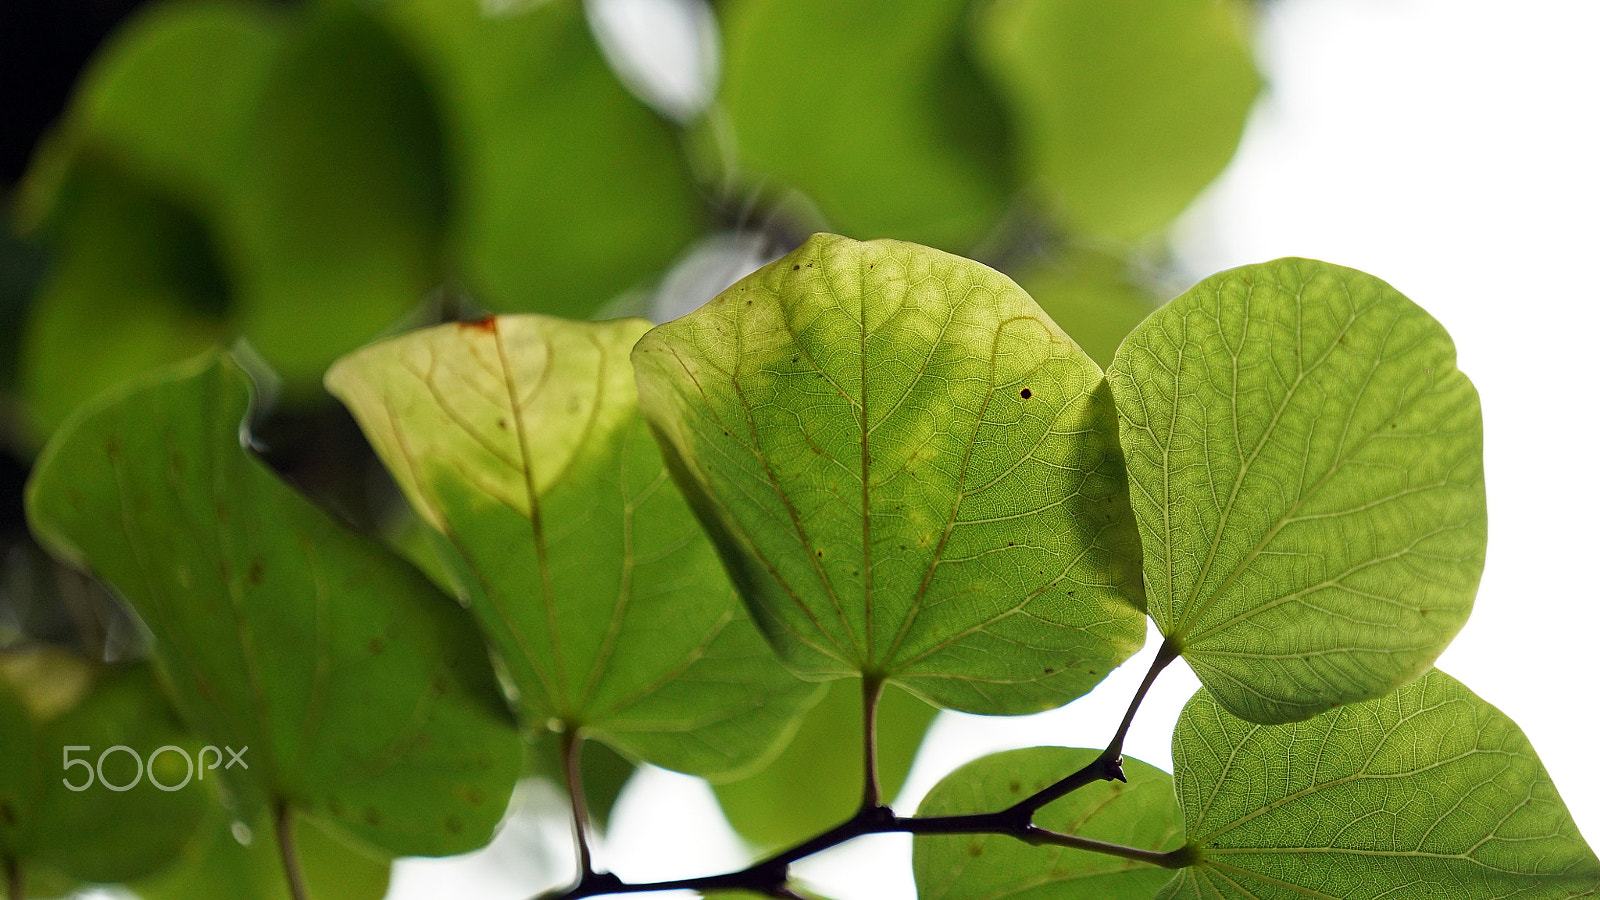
(1123,111)
(518,439)
(1306,465)
(362,694)
(815,783)
(1428,792)
(910,470)
(873,110)
(1140,813)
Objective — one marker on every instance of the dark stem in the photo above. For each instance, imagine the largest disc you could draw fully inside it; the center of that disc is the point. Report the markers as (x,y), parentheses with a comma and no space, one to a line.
(572,757)
(1108,765)
(871,792)
(284,821)
(770,876)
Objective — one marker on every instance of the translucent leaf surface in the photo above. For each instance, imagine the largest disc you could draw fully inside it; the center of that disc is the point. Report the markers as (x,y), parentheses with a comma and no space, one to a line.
(873,110)
(362,693)
(519,440)
(1123,112)
(815,783)
(1306,464)
(569,189)
(910,471)
(1140,813)
(1429,792)
(50,701)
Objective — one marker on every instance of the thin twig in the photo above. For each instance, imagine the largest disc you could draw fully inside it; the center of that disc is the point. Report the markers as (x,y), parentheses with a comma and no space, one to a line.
(284,821)
(770,876)
(572,767)
(871,793)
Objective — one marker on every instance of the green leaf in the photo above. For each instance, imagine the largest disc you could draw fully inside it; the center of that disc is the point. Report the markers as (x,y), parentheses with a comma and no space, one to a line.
(815,783)
(1092,296)
(519,441)
(1140,813)
(343,211)
(138,104)
(1306,463)
(1429,792)
(873,110)
(1123,112)
(362,694)
(217,865)
(136,285)
(55,706)
(910,470)
(569,190)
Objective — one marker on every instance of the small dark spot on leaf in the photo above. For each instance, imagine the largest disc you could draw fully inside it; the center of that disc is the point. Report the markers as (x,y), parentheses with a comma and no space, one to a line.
(975,851)
(501,423)
(452,824)
(872,265)
(1049,671)
(819,554)
(808,265)
(1011,543)
(1026,393)
(797,267)
(474,796)
(749,302)
(794,360)
(373,818)
(256,573)
(1332,704)
(1093,672)
(1072,593)
(487,324)
(1015,787)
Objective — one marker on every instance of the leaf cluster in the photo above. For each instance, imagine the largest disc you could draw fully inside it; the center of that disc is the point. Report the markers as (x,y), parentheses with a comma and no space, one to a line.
(879,467)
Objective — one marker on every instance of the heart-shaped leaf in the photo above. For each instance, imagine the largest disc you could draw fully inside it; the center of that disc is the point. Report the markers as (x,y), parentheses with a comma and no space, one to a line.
(216,864)
(1429,792)
(910,470)
(1140,813)
(351,688)
(519,440)
(1306,464)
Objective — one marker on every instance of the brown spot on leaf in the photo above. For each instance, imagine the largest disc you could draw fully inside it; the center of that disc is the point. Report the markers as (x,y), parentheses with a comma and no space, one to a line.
(1026,393)
(975,851)
(1049,671)
(1015,787)
(486,324)
(796,267)
(501,423)
(256,572)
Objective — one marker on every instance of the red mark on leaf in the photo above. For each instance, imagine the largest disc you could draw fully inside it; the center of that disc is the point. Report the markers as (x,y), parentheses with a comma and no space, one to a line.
(485,324)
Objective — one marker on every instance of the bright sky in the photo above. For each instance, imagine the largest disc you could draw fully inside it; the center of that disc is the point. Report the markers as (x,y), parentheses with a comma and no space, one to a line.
(1450,148)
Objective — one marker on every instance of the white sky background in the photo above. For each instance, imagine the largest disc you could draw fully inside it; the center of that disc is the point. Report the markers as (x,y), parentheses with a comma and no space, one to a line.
(1449,147)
